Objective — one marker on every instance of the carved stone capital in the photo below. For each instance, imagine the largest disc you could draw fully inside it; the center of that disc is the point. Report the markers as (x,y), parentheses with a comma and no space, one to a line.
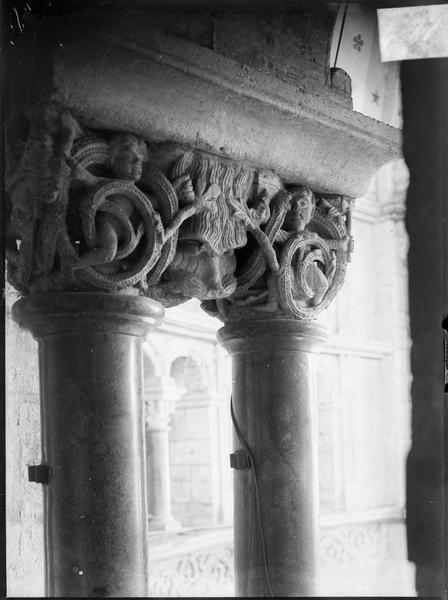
(161,396)
(295,264)
(102,211)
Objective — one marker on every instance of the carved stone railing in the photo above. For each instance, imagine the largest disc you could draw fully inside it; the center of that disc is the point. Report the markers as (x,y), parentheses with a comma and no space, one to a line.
(198,564)
(353,550)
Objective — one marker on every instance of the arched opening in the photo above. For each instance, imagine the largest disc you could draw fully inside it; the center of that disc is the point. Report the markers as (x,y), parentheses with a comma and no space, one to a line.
(194,447)
(188,374)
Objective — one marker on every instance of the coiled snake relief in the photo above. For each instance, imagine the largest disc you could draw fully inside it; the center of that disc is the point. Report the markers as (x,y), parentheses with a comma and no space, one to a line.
(106,217)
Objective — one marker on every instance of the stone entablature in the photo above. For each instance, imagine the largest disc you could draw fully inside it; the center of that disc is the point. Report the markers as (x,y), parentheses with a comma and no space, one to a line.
(99,211)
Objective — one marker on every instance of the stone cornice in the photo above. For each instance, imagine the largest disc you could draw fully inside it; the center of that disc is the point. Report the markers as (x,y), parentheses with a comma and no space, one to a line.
(125,76)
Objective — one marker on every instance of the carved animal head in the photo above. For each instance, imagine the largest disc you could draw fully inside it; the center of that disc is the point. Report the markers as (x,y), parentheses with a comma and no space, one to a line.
(217,184)
(197,273)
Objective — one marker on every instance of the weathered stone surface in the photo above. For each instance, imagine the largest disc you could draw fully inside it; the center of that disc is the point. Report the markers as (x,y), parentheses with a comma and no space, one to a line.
(275,420)
(92,422)
(290,45)
(149,80)
(94,210)
(24,537)
(248,210)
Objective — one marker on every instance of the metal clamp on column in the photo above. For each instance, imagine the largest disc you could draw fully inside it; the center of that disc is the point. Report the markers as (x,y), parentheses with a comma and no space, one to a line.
(39,473)
(239,460)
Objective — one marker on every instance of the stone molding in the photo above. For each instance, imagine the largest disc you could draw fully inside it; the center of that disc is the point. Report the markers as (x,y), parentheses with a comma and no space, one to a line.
(88,312)
(273,335)
(92,210)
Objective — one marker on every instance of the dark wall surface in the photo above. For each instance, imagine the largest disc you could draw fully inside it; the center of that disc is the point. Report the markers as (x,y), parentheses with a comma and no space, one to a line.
(424,89)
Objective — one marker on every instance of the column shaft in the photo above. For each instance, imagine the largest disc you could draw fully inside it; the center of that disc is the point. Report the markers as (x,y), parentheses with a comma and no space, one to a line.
(159,486)
(160,397)
(274,408)
(92,440)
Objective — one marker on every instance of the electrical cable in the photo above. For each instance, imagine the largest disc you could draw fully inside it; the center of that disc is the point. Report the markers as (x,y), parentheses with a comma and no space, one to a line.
(251,545)
(257,496)
(340,33)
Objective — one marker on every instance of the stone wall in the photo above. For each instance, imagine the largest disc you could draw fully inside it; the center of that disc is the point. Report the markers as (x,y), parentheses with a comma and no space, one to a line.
(24,532)
(193,461)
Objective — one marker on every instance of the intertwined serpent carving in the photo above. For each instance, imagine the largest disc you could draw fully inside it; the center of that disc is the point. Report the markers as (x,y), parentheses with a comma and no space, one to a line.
(110,213)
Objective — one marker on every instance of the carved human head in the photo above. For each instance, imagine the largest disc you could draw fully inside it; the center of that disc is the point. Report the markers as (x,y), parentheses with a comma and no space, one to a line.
(302,209)
(127,154)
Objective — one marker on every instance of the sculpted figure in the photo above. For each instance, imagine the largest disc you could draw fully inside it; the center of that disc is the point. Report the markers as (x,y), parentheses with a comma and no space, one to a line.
(260,211)
(195,272)
(303,206)
(204,264)
(127,154)
(338,209)
(302,264)
(35,189)
(38,177)
(301,211)
(128,162)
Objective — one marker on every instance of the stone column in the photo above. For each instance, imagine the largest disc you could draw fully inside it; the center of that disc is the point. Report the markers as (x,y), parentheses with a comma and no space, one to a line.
(80,249)
(270,333)
(92,439)
(160,399)
(276,500)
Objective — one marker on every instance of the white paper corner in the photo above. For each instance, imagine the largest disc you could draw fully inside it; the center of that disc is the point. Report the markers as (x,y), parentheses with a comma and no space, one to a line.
(413,32)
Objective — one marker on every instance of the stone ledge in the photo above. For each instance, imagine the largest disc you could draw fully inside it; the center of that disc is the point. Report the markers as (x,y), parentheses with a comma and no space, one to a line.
(122,76)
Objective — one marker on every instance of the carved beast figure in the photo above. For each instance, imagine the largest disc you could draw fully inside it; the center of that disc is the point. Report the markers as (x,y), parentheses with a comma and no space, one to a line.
(204,263)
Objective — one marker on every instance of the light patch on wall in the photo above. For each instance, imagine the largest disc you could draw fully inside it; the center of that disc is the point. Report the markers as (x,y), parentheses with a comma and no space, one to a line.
(413,32)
